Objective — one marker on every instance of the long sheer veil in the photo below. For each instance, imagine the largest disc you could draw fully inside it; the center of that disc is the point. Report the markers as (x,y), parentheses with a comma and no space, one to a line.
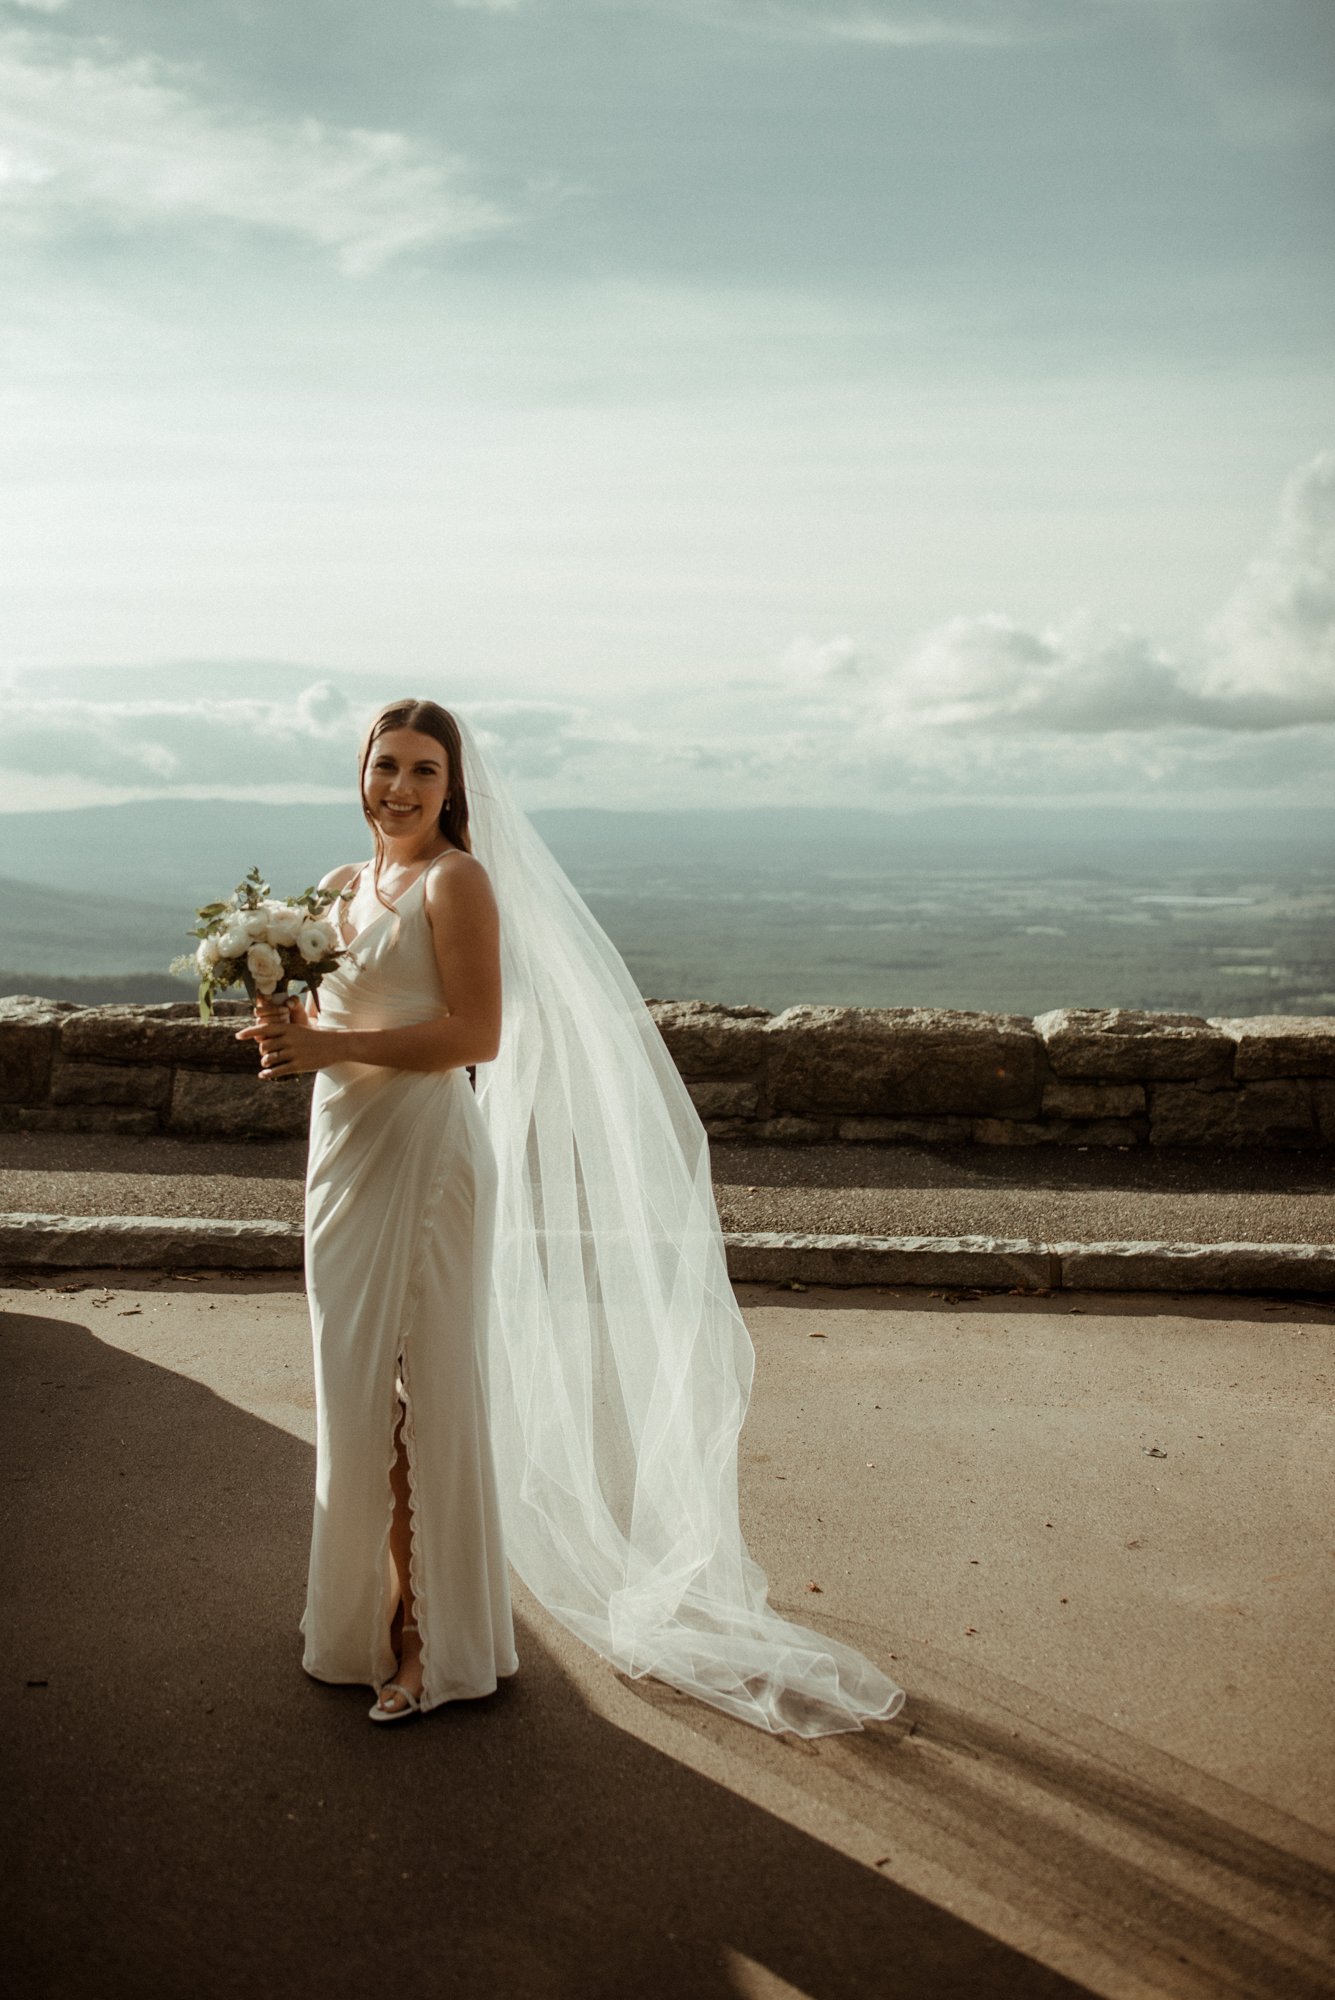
(620,1364)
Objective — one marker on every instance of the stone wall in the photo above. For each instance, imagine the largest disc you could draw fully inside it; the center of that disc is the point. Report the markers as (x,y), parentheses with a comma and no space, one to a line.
(811,1075)
(1076,1076)
(139,1070)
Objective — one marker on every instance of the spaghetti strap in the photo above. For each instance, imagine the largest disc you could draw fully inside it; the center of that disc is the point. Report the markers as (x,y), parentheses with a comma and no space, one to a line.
(348,942)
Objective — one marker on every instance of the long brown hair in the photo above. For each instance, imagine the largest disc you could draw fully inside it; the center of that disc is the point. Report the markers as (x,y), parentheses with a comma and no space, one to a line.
(428,718)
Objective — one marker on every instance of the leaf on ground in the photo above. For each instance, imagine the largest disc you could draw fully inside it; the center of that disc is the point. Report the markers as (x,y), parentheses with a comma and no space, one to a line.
(818,1336)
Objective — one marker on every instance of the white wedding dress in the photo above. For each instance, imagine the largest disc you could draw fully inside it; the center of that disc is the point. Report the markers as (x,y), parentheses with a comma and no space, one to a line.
(400,1217)
(543,1265)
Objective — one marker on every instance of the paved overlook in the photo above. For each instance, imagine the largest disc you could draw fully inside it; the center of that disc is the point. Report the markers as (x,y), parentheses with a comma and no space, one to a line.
(1053,1446)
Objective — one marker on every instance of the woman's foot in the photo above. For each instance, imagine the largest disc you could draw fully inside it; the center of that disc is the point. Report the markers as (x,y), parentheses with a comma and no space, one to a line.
(407,1680)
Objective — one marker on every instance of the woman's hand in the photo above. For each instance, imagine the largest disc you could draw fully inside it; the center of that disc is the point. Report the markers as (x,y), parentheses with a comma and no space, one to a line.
(289,1044)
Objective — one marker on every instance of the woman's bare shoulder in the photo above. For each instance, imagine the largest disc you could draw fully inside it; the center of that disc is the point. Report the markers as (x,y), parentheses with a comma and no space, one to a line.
(339,878)
(459,878)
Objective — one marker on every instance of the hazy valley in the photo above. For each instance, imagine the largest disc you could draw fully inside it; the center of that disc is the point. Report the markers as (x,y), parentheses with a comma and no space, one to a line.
(1013,909)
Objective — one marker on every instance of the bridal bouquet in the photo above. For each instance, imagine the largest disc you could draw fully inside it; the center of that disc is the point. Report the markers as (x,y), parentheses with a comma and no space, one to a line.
(254,940)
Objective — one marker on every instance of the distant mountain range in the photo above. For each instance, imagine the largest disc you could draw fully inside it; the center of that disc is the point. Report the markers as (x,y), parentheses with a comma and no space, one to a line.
(97,901)
(185,851)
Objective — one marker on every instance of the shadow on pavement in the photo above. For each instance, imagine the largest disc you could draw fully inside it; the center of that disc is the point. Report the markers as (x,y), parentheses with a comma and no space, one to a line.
(1154,1169)
(1238,1308)
(187,1813)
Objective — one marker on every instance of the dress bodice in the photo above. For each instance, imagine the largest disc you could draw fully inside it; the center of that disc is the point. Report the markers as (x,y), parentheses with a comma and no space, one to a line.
(388,976)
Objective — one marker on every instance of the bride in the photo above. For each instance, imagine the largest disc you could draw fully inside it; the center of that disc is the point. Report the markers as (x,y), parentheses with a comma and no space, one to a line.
(526,1345)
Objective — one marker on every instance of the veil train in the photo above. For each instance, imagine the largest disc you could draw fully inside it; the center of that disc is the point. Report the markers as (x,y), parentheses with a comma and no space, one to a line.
(620,1364)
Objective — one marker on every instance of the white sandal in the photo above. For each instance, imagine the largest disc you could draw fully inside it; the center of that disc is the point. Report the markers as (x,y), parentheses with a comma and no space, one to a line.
(412,1702)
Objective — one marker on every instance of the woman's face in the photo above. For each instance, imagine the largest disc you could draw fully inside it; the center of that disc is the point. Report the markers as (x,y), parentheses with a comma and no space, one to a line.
(407,778)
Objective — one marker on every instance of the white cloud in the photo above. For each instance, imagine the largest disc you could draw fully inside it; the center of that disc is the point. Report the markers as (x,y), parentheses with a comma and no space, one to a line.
(970,24)
(1074,678)
(959,24)
(1275,638)
(1266,663)
(164,743)
(982,706)
(828,664)
(901,30)
(83,745)
(91,133)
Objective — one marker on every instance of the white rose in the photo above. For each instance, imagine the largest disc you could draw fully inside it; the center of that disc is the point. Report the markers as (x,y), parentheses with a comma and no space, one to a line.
(207,954)
(233,942)
(285,921)
(256,922)
(266,967)
(316,940)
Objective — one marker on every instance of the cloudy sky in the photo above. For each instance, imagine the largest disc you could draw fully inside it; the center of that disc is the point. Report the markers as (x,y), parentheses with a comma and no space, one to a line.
(724,401)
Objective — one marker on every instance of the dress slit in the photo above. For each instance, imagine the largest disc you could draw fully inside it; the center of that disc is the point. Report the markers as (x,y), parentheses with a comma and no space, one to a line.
(416,1560)
(386,1578)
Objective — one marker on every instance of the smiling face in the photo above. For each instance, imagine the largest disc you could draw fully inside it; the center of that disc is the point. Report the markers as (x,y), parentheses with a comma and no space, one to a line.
(406,783)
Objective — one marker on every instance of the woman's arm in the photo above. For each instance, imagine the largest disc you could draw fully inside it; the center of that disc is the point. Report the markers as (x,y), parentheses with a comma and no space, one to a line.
(465,933)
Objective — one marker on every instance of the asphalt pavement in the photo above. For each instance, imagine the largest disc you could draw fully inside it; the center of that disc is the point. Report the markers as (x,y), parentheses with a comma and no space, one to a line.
(1047,1193)
(1088,1534)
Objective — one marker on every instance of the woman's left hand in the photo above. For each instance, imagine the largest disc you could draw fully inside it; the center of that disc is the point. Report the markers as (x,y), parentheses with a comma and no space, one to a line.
(289,1046)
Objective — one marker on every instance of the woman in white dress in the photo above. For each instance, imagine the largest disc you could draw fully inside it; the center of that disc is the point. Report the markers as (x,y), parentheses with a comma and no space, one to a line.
(526,1344)
(400,1207)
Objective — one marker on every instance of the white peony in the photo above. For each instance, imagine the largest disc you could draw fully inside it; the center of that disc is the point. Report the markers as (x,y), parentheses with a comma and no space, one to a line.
(316,940)
(234,941)
(266,967)
(285,921)
(207,954)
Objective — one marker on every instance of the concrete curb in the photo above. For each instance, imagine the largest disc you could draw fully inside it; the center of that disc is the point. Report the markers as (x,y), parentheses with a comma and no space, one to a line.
(1004,1263)
(1196,1267)
(147,1242)
(153,1242)
(769,1257)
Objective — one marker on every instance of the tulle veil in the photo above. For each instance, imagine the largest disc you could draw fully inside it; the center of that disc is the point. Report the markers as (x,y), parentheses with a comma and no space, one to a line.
(620,1365)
